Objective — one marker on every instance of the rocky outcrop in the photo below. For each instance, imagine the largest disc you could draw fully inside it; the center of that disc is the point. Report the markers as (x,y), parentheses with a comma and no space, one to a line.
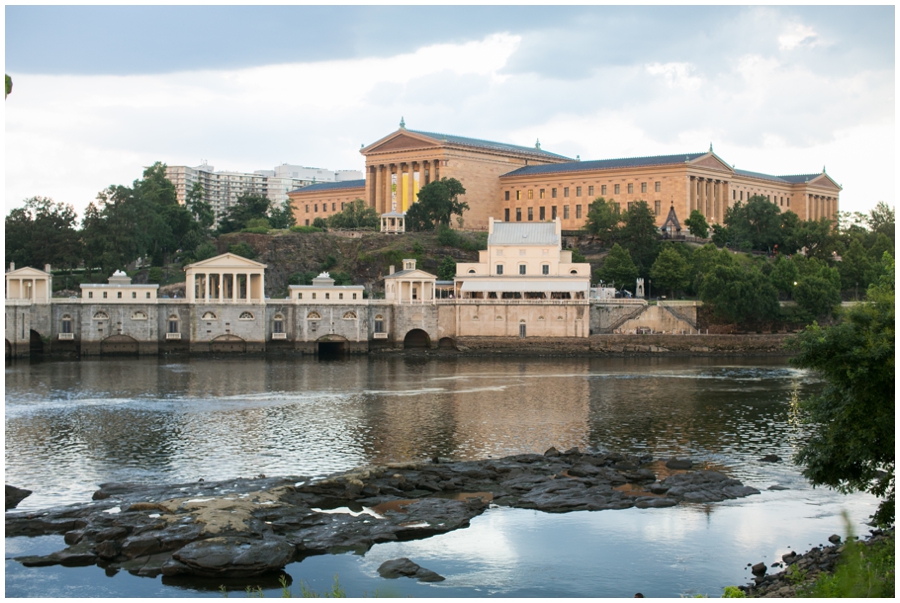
(395,568)
(246,527)
(15,495)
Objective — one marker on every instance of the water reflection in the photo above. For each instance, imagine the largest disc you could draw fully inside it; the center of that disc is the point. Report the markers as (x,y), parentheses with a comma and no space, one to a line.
(73,425)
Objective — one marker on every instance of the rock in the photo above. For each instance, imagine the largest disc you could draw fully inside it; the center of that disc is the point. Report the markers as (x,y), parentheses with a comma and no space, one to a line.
(552,452)
(834,539)
(776,487)
(759,569)
(231,557)
(395,568)
(770,458)
(674,463)
(15,495)
(789,558)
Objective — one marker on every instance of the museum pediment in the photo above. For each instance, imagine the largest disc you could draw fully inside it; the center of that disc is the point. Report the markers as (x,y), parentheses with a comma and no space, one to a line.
(712,161)
(226,260)
(401,140)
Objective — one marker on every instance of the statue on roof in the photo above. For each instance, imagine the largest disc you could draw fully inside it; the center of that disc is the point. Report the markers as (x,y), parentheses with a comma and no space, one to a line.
(537,144)
(402,123)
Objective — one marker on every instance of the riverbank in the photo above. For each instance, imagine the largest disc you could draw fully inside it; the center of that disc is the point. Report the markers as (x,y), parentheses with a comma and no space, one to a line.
(249,527)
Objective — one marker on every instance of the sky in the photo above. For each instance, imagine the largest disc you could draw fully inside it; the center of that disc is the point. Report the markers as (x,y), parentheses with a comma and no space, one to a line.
(101,92)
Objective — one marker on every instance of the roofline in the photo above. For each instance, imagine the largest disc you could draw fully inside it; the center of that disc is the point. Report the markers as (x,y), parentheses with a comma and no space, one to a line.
(599,169)
(430,136)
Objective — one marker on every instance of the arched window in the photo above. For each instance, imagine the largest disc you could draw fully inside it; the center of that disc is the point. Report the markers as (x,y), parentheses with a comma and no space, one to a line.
(172,326)
(246,316)
(101,316)
(138,316)
(66,324)
(349,315)
(379,323)
(209,316)
(573,271)
(278,324)
(540,318)
(313,316)
(471,271)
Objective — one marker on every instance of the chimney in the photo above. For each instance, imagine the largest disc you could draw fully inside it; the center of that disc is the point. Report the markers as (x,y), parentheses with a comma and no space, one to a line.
(12,266)
(47,268)
(390,270)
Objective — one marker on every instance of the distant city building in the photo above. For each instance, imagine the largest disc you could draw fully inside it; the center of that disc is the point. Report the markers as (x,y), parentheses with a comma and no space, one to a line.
(222,189)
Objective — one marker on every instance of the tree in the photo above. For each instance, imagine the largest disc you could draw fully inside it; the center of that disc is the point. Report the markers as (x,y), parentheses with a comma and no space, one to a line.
(670,271)
(603,219)
(855,267)
(640,236)
(817,295)
(816,237)
(881,219)
(438,203)
(282,217)
(355,215)
(242,249)
(447,269)
(851,447)
(43,232)
(740,293)
(246,208)
(784,275)
(704,260)
(697,225)
(618,268)
(202,211)
(8,85)
(756,224)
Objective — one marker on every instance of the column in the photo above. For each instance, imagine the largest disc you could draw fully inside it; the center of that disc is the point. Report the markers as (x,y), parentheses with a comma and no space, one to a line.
(234,288)
(219,280)
(692,194)
(410,187)
(370,187)
(206,287)
(379,189)
(437,163)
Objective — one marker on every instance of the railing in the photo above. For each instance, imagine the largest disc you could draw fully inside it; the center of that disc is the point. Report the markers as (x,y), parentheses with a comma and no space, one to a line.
(279,335)
(67,335)
(620,301)
(514,302)
(679,302)
(379,335)
(173,335)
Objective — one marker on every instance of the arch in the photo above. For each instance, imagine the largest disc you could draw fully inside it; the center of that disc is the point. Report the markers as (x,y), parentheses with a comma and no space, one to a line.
(331,346)
(447,343)
(35,343)
(278,323)
(227,344)
(101,315)
(209,316)
(416,338)
(246,316)
(573,271)
(350,316)
(119,345)
(65,323)
(9,350)
(313,316)
(471,271)
(139,316)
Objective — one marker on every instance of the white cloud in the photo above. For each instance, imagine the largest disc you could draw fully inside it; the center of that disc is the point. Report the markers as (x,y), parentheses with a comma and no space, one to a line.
(676,75)
(798,35)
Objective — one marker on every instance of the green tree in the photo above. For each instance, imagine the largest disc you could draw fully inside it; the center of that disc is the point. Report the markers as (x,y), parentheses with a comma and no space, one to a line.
(247,207)
(282,217)
(697,225)
(817,295)
(43,232)
(8,85)
(446,269)
(816,237)
(437,203)
(784,275)
(740,292)
(756,224)
(242,249)
(852,443)
(198,206)
(618,269)
(603,220)
(855,267)
(205,251)
(355,215)
(881,219)
(320,222)
(640,236)
(670,271)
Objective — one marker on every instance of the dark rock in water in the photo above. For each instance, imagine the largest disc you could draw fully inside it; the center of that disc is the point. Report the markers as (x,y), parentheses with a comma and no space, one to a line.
(15,495)
(230,556)
(551,452)
(679,463)
(759,569)
(395,568)
(789,558)
(770,458)
(777,487)
(834,539)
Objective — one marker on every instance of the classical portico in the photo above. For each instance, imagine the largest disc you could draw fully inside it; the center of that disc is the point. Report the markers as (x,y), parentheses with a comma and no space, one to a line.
(410,285)
(227,278)
(30,284)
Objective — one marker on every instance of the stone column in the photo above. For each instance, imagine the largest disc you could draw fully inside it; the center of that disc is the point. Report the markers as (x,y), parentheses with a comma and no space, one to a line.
(206,287)
(411,186)
(370,187)
(692,194)
(437,176)
(234,288)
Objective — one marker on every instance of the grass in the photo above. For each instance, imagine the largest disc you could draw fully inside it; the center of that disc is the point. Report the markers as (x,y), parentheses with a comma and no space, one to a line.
(335,592)
(863,571)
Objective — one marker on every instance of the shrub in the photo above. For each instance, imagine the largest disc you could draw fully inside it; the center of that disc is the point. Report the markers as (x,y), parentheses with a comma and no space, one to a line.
(155,275)
(305,229)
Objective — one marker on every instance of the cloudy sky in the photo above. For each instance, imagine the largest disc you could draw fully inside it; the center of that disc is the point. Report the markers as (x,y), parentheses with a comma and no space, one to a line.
(101,91)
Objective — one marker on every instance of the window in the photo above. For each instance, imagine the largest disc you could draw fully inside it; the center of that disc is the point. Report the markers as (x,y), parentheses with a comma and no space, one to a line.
(602,189)
(354,296)
(278,324)
(545,268)
(565,191)
(340,296)
(531,193)
(742,195)
(530,214)
(138,316)
(573,271)
(173,324)
(307,223)
(506,214)
(101,316)
(313,316)
(616,189)
(342,206)
(630,204)
(656,207)
(134,295)
(630,188)
(90,295)
(518,214)
(591,191)
(521,268)
(209,316)
(300,295)
(66,324)
(542,214)
(578,212)
(553,213)
(349,315)
(577,191)
(333,207)
(657,186)
(553,193)
(471,271)
(379,324)
(119,295)
(565,212)
(148,295)
(314,296)
(328,296)
(541,193)
(307,209)
(499,268)
(104,295)
(506,195)
(518,195)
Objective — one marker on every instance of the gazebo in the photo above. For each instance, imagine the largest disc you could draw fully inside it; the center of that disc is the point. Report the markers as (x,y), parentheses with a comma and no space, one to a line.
(393,222)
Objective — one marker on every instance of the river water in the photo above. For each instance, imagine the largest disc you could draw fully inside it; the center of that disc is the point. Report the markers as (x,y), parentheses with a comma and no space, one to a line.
(71,425)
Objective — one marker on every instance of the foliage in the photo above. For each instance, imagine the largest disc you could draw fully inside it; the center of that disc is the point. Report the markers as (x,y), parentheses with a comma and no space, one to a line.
(784,275)
(305,229)
(205,251)
(437,203)
(639,235)
(201,210)
(881,219)
(670,271)
(856,267)
(355,215)
(467,241)
(446,269)
(733,592)
(697,225)
(603,219)
(756,223)
(577,256)
(815,236)
(257,226)
(243,250)
(155,275)
(302,278)
(817,295)
(618,268)
(42,232)
(739,292)
(247,207)
(704,260)
(329,261)
(8,85)
(320,222)
(282,217)
(852,444)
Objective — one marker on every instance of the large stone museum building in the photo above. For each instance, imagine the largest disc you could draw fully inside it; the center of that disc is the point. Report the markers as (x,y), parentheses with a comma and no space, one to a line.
(528,184)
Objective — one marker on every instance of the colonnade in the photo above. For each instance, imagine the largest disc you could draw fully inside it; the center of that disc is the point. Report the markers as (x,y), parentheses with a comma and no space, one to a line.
(709,196)
(414,291)
(821,206)
(379,179)
(225,287)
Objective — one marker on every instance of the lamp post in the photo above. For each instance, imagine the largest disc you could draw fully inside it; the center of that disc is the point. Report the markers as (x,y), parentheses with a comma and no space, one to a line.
(649,288)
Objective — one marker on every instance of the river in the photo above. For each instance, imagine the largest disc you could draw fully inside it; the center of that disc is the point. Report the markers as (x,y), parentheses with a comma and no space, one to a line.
(71,425)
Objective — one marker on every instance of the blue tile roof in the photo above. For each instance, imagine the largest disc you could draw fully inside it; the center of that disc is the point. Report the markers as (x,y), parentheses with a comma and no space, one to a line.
(488,144)
(604,164)
(800,177)
(750,174)
(326,186)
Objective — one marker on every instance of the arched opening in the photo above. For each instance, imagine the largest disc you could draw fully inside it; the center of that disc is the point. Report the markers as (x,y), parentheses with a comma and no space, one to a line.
(9,350)
(227,344)
(35,344)
(331,346)
(119,345)
(447,343)
(417,338)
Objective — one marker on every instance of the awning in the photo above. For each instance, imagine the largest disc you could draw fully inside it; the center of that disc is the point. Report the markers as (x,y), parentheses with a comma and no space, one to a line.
(554,286)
